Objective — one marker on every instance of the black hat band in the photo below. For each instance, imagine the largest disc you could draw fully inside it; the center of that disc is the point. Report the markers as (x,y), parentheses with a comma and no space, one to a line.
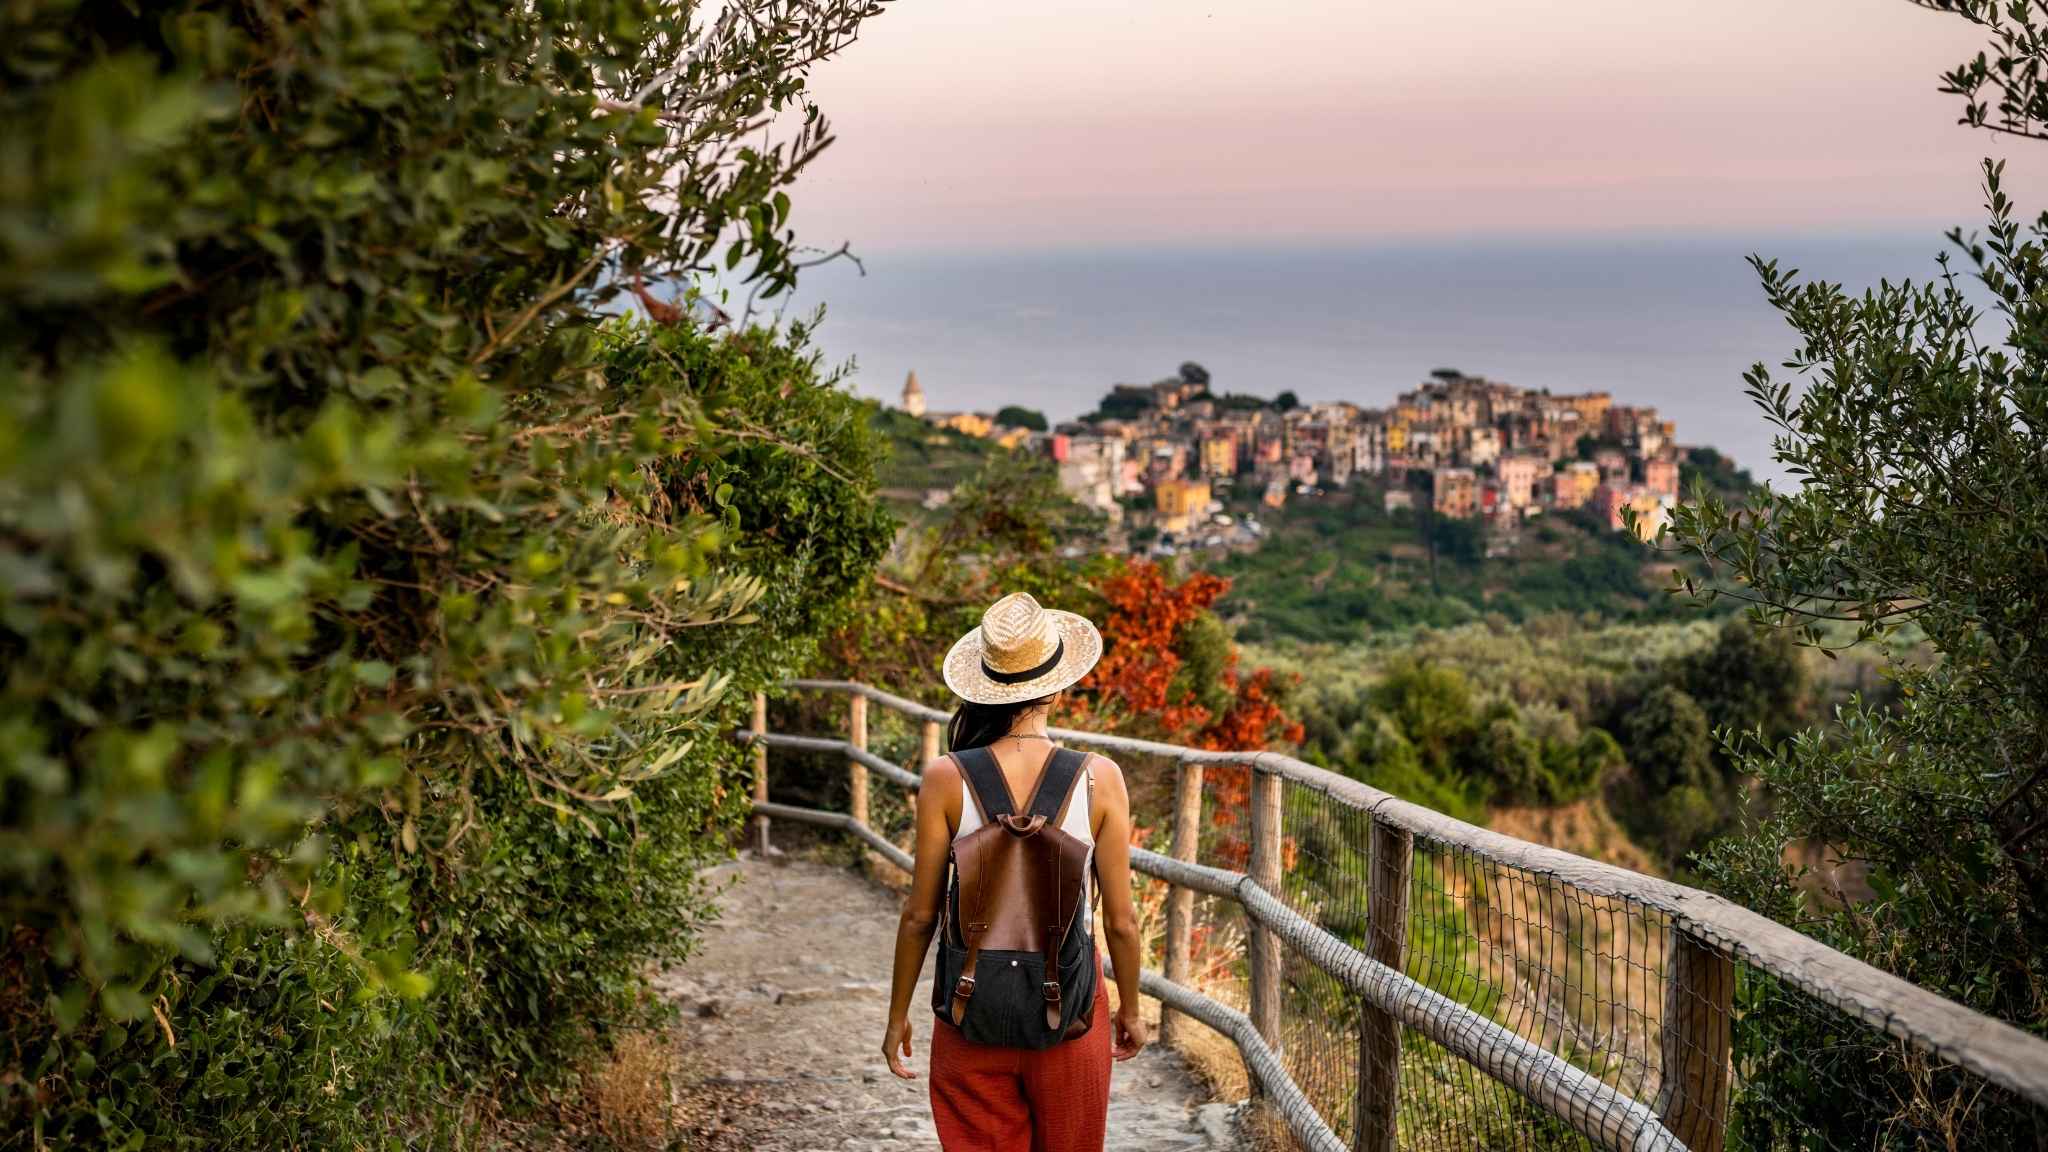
(1059,650)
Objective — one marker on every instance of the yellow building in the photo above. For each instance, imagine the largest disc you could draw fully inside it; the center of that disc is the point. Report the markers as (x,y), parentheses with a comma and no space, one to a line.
(1591,406)
(1181,504)
(1573,486)
(971,423)
(1219,456)
(1397,438)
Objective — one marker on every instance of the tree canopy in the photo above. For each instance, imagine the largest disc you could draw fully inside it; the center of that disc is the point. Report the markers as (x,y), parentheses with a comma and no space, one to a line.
(1013,416)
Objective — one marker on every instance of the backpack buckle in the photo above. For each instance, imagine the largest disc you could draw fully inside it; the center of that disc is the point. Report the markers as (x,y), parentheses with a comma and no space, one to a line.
(965,988)
(1051,988)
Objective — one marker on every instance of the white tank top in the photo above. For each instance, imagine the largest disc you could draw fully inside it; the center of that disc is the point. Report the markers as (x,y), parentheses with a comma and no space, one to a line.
(1078,822)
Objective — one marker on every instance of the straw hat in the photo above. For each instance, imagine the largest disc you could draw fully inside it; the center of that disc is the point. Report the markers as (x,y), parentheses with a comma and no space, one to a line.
(1021,652)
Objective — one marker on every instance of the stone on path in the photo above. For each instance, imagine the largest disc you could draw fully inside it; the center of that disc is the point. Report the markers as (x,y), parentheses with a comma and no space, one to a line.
(782,1023)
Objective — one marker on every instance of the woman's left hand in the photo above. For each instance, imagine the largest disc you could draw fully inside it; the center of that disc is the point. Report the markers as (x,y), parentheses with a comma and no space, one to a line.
(896,1046)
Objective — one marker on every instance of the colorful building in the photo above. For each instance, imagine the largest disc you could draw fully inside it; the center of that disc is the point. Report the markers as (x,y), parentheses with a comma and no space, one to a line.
(1219,456)
(1517,475)
(1181,504)
(1573,485)
(975,424)
(1660,475)
(1455,492)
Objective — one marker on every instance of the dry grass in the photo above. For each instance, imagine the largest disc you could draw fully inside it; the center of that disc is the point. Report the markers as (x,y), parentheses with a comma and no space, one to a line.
(632,1094)
(1585,828)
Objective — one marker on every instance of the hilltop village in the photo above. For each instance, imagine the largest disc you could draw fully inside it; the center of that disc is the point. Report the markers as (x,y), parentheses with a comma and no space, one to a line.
(1461,446)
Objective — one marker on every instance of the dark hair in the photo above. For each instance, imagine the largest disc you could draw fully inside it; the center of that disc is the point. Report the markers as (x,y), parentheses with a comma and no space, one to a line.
(979,725)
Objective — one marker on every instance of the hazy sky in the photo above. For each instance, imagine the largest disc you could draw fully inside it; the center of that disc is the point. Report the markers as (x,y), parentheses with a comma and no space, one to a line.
(1032,123)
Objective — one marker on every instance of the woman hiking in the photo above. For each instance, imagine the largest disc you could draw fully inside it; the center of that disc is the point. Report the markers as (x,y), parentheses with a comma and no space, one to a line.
(1014,836)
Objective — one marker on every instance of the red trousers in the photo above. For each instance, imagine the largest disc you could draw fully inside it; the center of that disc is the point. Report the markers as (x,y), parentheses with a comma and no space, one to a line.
(989,1099)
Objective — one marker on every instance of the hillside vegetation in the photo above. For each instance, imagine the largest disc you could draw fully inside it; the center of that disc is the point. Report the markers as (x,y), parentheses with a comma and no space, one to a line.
(1556,712)
(1339,567)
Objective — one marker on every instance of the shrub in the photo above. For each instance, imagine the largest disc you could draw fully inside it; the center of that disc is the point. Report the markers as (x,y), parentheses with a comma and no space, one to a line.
(369,611)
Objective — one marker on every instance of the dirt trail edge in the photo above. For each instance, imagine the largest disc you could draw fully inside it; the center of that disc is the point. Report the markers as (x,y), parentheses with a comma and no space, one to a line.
(782,1024)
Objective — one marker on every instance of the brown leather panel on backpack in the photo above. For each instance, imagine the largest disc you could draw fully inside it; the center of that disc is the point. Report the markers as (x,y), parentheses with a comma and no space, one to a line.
(1020,881)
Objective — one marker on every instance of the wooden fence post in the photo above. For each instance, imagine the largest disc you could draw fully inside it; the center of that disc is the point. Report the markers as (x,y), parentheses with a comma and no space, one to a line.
(1267,800)
(1379,1034)
(857,772)
(1699,1001)
(1180,902)
(760,728)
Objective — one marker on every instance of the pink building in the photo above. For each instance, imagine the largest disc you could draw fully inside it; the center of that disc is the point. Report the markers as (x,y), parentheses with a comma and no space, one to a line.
(1660,476)
(1517,475)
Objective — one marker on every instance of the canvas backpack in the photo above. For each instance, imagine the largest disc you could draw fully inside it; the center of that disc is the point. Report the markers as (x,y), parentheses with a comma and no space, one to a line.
(1015,967)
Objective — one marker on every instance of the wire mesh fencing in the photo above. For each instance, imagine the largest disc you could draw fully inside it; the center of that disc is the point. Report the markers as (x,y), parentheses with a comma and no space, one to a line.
(1809,1078)
(1718,1052)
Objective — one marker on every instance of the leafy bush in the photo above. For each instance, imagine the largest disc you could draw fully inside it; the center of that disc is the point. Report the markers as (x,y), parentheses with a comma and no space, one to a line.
(367,610)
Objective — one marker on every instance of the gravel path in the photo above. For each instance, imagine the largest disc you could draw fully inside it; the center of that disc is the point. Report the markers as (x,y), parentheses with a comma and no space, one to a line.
(783,1012)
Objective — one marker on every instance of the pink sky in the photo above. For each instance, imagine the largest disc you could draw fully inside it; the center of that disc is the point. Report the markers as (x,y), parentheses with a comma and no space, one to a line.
(975,124)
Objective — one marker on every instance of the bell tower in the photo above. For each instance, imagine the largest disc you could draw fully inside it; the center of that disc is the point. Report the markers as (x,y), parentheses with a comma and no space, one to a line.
(913,396)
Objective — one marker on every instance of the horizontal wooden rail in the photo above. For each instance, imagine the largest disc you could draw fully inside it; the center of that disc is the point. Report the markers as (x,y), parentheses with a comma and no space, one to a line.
(842,822)
(896,773)
(1991,1048)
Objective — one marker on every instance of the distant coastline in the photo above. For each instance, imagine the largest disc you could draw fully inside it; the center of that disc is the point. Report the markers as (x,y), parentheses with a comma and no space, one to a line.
(1670,322)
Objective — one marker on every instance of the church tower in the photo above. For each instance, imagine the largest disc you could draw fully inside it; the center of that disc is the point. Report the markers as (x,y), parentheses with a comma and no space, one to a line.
(913,397)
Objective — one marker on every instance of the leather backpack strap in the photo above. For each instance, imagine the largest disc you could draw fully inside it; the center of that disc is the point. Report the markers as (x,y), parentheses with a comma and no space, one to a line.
(1055,792)
(984,782)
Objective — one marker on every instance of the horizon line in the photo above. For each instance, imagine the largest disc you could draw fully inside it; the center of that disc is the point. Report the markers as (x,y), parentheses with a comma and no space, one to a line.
(1935,232)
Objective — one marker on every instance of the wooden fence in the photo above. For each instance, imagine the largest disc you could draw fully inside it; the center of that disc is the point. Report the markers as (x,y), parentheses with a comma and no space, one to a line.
(1677,950)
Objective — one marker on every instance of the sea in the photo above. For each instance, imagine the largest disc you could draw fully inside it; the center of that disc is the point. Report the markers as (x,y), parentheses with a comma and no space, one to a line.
(1667,320)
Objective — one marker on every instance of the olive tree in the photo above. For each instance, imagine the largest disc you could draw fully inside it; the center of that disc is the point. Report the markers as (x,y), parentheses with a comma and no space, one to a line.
(1913,419)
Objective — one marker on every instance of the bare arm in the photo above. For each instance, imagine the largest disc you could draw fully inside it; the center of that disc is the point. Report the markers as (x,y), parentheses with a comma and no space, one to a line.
(1119,914)
(937,795)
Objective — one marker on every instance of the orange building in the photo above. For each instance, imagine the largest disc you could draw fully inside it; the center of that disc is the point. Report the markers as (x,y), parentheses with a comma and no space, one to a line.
(1456,492)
